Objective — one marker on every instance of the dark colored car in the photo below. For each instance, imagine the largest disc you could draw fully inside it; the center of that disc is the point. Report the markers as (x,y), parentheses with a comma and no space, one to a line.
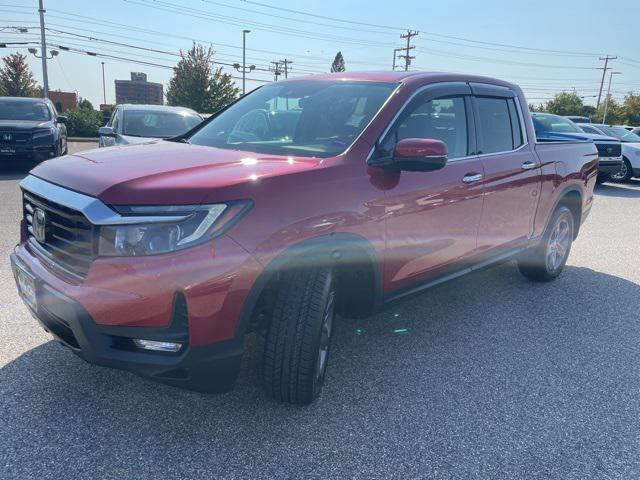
(553,128)
(133,124)
(30,130)
(305,198)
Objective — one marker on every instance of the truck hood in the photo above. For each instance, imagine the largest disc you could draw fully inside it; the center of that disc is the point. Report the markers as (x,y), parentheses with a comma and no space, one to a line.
(23,125)
(163,173)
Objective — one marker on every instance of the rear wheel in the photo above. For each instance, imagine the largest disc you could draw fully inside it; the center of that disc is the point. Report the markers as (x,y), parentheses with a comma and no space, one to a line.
(625,173)
(546,261)
(299,336)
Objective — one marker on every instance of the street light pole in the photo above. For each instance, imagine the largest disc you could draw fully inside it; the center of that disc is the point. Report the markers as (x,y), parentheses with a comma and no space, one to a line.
(45,76)
(104,88)
(606,100)
(244,59)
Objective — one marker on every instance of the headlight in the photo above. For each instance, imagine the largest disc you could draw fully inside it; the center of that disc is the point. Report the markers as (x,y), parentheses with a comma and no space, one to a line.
(43,133)
(154,235)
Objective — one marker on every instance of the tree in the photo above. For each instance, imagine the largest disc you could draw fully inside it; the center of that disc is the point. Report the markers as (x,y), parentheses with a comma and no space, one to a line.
(565,103)
(83,122)
(338,63)
(195,84)
(84,103)
(16,80)
(631,109)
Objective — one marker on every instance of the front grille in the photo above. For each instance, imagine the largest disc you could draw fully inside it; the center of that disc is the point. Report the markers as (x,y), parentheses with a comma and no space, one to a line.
(68,242)
(609,149)
(13,138)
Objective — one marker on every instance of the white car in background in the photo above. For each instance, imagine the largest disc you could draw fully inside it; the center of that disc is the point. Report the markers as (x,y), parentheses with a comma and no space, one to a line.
(630,148)
(134,124)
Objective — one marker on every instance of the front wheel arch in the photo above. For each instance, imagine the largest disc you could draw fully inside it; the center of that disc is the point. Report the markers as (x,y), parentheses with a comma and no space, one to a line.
(337,250)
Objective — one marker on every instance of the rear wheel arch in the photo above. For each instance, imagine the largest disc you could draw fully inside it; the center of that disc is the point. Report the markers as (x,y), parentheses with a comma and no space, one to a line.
(572,199)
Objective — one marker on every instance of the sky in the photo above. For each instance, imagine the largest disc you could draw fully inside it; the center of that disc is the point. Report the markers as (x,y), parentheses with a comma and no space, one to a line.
(544,46)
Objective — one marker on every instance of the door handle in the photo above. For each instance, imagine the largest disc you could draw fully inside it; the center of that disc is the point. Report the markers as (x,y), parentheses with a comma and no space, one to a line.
(528,165)
(472,177)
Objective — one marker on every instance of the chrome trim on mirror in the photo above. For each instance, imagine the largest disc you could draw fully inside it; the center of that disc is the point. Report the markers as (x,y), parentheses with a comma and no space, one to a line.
(96,212)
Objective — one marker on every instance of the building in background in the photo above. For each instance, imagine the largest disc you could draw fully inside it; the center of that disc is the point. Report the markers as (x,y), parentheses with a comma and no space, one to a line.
(62,100)
(138,90)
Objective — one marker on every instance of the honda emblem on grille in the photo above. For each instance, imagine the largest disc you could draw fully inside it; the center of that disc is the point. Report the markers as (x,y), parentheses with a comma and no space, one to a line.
(39,225)
(6,137)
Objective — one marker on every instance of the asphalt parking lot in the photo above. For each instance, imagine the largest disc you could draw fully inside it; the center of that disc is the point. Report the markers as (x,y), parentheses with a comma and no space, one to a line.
(488,376)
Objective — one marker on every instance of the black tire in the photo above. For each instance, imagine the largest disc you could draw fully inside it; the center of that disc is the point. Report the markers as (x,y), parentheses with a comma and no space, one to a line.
(625,174)
(546,260)
(299,335)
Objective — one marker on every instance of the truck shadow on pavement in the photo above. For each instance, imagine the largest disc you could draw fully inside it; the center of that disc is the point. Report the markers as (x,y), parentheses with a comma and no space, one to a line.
(465,372)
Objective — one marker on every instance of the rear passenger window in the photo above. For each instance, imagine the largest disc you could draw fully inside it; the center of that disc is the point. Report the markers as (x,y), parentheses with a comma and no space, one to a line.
(443,119)
(516,126)
(494,129)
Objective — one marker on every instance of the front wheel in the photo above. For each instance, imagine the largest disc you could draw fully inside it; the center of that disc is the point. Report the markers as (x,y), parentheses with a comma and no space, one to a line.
(546,260)
(299,335)
(625,173)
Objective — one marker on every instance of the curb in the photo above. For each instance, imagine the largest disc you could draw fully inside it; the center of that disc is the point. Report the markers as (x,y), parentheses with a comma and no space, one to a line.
(82,139)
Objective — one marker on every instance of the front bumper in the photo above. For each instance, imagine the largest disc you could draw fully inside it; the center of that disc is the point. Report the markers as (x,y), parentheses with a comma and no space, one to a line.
(209,368)
(609,165)
(35,150)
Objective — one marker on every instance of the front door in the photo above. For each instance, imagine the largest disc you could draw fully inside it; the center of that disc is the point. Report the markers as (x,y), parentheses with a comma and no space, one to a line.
(432,218)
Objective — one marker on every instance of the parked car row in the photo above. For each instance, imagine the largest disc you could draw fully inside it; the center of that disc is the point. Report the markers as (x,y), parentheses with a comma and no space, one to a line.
(630,142)
(553,128)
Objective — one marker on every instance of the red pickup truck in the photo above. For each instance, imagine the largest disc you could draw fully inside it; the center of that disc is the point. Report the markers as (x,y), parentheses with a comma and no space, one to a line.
(307,198)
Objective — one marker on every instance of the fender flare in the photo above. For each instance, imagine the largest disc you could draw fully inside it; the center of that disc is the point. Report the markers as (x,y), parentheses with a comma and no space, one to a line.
(326,249)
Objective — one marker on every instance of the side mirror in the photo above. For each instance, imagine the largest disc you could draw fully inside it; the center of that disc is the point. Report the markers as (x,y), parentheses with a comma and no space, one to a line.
(106,132)
(61,119)
(420,154)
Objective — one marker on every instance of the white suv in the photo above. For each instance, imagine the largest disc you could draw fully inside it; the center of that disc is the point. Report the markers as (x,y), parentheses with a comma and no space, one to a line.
(630,148)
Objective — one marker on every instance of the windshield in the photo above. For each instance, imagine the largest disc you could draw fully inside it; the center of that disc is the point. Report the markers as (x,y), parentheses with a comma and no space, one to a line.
(140,123)
(621,133)
(306,118)
(20,110)
(555,123)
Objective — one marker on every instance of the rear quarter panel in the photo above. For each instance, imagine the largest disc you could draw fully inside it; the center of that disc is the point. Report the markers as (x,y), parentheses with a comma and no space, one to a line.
(566,166)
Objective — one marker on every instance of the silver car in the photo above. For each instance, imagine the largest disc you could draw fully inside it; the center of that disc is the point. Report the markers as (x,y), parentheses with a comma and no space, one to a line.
(134,124)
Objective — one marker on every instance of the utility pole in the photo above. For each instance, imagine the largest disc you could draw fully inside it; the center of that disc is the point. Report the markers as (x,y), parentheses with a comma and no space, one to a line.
(43,41)
(276,69)
(606,100)
(604,73)
(104,88)
(287,66)
(406,56)
(395,51)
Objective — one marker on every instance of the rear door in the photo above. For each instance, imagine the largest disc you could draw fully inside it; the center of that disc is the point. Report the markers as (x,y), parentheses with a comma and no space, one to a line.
(432,217)
(511,168)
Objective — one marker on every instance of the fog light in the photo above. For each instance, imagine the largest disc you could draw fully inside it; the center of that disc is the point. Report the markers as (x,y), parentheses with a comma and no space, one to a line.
(157,346)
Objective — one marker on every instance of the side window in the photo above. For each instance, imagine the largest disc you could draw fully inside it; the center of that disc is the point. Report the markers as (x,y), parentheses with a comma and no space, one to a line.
(494,125)
(516,126)
(442,118)
(589,129)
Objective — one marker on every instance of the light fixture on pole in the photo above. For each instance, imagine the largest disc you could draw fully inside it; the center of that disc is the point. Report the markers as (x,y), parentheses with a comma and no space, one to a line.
(607,98)
(34,52)
(244,69)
